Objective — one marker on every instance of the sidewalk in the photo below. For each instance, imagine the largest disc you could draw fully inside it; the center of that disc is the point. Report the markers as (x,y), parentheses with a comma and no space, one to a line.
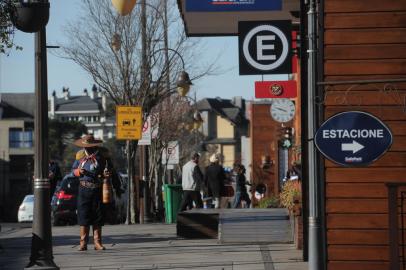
(151,246)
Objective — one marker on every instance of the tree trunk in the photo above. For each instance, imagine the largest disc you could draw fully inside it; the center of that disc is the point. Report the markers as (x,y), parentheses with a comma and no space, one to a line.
(132,185)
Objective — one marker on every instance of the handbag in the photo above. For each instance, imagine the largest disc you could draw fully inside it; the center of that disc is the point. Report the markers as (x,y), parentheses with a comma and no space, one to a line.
(227,191)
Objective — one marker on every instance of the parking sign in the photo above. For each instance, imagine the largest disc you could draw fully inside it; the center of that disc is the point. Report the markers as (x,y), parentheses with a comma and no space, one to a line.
(265,47)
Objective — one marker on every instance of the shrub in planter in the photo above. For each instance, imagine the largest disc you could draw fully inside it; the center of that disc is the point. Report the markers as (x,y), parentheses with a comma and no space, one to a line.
(291,195)
(269,202)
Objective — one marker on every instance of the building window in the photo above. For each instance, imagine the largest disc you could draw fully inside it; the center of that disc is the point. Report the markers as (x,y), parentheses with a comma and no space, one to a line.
(228,156)
(20,139)
(224,128)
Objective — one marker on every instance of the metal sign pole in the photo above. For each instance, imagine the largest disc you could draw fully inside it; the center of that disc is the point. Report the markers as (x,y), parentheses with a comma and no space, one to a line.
(315,262)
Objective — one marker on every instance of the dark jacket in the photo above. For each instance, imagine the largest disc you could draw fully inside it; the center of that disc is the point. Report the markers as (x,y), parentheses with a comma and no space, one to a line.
(90,207)
(214,179)
(240,183)
(55,176)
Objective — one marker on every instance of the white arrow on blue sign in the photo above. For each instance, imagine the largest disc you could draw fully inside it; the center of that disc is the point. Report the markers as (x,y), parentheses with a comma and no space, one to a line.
(353,138)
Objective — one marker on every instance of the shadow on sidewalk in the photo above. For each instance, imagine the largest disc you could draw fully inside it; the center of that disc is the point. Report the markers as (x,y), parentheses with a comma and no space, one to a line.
(15,251)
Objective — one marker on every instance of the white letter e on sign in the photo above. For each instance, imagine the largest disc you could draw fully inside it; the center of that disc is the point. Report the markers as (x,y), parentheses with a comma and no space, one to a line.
(261,47)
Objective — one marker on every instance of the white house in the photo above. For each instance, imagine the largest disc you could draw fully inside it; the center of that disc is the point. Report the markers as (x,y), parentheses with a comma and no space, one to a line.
(89,109)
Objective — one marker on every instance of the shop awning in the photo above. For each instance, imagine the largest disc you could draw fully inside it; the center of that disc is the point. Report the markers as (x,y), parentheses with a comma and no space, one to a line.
(203,21)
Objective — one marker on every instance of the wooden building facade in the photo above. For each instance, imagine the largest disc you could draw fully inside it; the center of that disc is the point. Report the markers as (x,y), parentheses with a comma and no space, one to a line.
(362,63)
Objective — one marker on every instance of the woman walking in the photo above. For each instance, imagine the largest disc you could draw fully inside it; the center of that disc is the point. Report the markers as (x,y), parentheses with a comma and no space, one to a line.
(241,189)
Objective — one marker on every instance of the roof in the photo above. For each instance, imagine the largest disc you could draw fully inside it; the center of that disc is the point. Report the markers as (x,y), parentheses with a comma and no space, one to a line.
(18,105)
(224,108)
(78,103)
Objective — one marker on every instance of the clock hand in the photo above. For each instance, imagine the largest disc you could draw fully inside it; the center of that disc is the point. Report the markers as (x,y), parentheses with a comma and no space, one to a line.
(280,109)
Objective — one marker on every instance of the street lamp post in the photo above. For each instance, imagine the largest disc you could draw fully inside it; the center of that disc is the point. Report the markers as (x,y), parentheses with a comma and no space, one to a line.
(32,17)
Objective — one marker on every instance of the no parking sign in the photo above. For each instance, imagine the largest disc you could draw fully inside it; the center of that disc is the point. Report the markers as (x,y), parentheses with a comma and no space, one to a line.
(170,155)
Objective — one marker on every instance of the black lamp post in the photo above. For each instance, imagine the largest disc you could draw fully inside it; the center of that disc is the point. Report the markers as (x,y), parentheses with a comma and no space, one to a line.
(32,17)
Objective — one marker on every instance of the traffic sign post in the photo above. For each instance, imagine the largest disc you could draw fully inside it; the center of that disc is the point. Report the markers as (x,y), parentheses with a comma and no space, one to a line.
(146,133)
(170,155)
(353,138)
(128,122)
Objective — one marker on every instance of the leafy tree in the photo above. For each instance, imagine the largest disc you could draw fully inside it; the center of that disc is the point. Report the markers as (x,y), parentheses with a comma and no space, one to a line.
(6,27)
(61,134)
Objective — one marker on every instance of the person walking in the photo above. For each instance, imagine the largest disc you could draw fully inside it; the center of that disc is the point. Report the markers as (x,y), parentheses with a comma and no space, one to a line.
(54,175)
(192,179)
(214,178)
(241,189)
(91,168)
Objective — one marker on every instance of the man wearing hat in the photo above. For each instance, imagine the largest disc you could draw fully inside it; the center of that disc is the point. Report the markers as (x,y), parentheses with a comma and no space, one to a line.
(192,179)
(214,178)
(91,168)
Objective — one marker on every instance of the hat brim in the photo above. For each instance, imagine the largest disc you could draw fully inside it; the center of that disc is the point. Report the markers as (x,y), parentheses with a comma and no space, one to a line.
(80,143)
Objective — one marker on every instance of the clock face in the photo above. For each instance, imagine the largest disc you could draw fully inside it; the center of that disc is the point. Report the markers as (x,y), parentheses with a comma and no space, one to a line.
(282,110)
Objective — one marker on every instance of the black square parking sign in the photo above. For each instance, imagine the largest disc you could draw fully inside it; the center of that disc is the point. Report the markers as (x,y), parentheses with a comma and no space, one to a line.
(265,47)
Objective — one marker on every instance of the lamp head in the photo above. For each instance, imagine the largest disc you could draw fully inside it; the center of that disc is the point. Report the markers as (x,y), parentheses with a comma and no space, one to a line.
(30,17)
(183,83)
(124,7)
(116,42)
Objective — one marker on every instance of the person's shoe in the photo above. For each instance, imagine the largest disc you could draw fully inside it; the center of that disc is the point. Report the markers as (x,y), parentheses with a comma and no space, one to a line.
(97,231)
(84,238)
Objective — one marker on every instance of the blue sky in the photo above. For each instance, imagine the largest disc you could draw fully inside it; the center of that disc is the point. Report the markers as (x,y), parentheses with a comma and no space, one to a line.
(17,69)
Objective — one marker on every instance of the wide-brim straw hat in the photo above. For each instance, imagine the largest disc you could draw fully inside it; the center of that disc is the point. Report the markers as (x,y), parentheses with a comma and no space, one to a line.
(87,141)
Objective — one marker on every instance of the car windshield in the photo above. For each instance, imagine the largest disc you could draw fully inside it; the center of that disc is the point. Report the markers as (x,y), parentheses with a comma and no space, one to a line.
(29,198)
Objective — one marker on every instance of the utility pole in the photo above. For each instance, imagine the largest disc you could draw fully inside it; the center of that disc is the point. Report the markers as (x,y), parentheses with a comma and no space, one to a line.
(144,216)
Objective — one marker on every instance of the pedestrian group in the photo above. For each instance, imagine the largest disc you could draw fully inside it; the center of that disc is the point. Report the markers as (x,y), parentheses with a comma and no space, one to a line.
(213,184)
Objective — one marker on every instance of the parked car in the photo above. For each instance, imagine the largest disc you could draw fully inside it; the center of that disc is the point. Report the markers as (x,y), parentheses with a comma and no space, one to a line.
(64,201)
(26,209)
(64,204)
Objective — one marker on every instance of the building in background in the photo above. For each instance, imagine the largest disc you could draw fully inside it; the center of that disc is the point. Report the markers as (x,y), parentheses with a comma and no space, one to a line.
(224,125)
(17,137)
(91,109)
(16,151)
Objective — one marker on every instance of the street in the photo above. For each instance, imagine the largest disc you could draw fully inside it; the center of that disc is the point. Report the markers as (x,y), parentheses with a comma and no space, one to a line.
(152,246)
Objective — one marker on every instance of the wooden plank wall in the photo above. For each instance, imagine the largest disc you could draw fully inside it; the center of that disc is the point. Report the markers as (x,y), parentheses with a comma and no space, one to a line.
(364,39)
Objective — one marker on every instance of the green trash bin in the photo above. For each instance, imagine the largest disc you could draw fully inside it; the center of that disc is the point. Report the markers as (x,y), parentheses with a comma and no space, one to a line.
(173,197)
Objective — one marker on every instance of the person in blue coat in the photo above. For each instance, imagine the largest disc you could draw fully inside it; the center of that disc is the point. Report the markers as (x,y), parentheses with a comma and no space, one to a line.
(91,167)
(241,193)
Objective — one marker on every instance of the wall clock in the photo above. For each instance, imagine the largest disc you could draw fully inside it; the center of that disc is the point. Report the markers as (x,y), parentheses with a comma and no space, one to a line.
(282,110)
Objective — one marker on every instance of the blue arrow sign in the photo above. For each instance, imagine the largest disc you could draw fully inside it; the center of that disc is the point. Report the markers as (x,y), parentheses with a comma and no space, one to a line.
(353,138)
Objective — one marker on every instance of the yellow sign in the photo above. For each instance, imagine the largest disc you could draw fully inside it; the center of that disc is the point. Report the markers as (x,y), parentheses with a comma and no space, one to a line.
(128,122)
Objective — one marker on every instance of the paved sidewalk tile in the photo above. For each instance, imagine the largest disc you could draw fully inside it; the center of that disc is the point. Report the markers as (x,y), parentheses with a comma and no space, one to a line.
(150,246)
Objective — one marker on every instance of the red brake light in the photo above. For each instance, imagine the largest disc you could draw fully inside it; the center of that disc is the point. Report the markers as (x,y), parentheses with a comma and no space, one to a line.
(63,196)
